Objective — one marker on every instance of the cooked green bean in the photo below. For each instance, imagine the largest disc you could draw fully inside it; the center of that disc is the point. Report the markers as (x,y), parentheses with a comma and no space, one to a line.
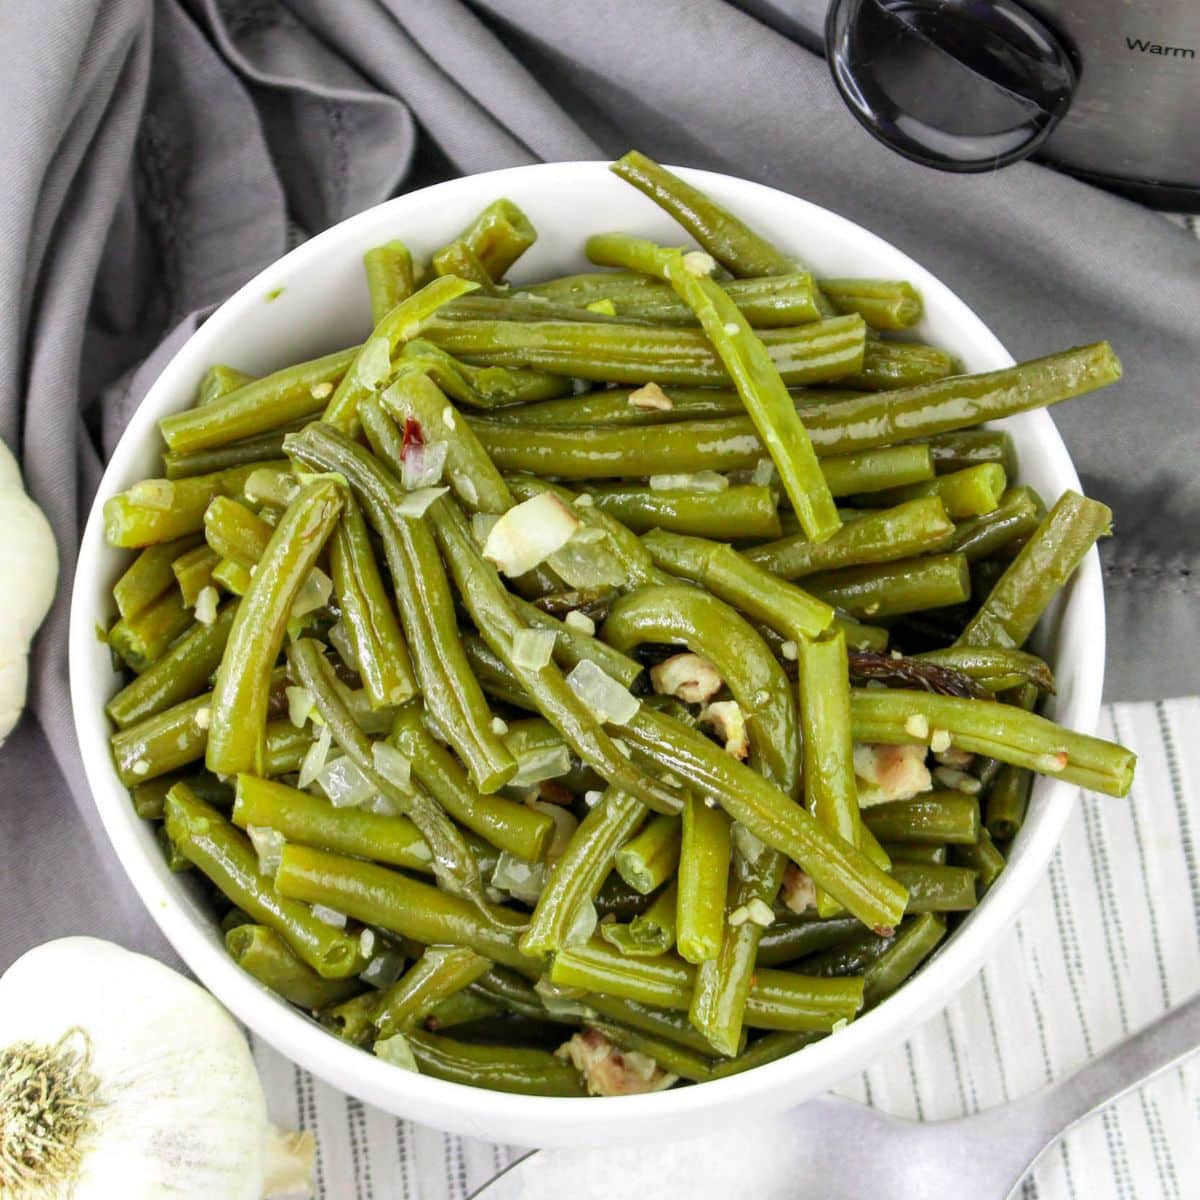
(1007,801)
(1018,514)
(971,492)
(390,900)
(481,387)
(983,858)
(790,938)
(765,302)
(891,467)
(936,889)
(181,673)
(225,855)
(743,511)
(1040,570)
(163,742)
(769,1048)
(498,237)
(914,943)
(501,1068)
(458,260)
(263,447)
(426,605)
(572,646)
(930,854)
(647,861)
(193,572)
(239,703)
(261,952)
(439,973)
(462,1008)
(650,933)
(748,363)
(997,668)
(889,589)
(937,817)
(740,581)
(579,873)
(851,957)
(149,575)
(507,825)
(1000,731)
(380,652)
(143,639)
(149,798)
(971,448)
(882,303)
(704,857)
(389,271)
(676,1060)
(234,532)
(219,380)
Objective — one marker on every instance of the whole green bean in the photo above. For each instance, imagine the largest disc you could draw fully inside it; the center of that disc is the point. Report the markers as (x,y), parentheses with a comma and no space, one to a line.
(1001,731)
(452,863)
(776,300)
(623,352)
(389,271)
(149,575)
(882,303)
(704,856)
(259,406)
(914,943)
(889,589)
(509,826)
(744,511)
(181,673)
(748,363)
(580,871)
(390,900)
(219,380)
(499,1068)
(226,857)
(709,627)
(426,604)
(439,973)
(239,704)
(649,859)
(971,492)
(790,938)
(649,933)
(380,652)
(142,640)
(261,952)
(302,818)
(932,817)
(1042,567)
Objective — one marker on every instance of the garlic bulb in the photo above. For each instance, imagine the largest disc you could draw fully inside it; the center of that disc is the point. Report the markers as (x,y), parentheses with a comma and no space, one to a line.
(30,558)
(119,1077)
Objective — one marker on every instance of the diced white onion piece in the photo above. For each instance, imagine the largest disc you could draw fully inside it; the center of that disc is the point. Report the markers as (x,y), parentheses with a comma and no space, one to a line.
(415,504)
(380,804)
(366,943)
(605,698)
(301,702)
(583,926)
(152,493)
(749,845)
(423,464)
(206,605)
(520,879)
(499,726)
(650,396)
(565,825)
(761,912)
(392,764)
(344,784)
(314,593)
(694,481)
(739,916)
(591,799)
(464,486)
(384,969)
(339,638)
(547,762)
(374,363)
(330,916)
(696,262)
(532,649)
(482,525)
(397,1051)
(763,473)
(314,760)
(268,845)
(271,485)
(588,565)
(526,535)
(564,1002)
(579,621)
(587,535)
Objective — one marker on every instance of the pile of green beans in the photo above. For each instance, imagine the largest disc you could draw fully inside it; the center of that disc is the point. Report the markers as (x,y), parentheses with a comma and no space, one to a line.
(633,663)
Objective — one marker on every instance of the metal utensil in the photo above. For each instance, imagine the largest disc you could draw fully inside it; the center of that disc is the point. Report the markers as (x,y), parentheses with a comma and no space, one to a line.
(839,1150)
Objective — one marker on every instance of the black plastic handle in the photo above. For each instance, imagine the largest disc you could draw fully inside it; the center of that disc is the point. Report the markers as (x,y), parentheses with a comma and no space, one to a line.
(961,85)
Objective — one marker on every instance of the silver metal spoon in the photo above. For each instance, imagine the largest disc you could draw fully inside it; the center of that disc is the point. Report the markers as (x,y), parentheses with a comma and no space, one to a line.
(839,1150)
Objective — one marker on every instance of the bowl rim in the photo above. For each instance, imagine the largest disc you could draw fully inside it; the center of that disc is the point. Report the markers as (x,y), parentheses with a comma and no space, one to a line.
(480,1110)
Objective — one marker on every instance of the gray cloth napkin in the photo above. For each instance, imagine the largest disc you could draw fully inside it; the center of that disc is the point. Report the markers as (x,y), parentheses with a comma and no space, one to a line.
(159,154)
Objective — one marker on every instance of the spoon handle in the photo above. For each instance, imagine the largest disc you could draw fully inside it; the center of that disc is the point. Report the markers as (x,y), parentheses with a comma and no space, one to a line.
(1126,1066)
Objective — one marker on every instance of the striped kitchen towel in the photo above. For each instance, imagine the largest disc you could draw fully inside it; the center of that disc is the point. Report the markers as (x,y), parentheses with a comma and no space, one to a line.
(1109,940)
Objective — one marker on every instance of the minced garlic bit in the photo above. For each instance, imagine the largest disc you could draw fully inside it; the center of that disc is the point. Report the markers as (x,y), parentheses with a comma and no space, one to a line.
(203,717)
(1051,764)
(579,621)
(917,725)
(960,781)
(448,417)
(499,726)
(206,605)
(731,327)
(729,722)
(584,500)
(591,799)
(760,912)
(798,893)
(366,942)
(739,916)
(319,391)
(141,767)
(939,741)
(790,651)
(651,396)
(696,262)
(688,677)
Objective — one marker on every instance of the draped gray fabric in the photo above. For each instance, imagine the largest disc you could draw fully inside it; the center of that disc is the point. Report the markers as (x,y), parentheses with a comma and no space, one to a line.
(159,154)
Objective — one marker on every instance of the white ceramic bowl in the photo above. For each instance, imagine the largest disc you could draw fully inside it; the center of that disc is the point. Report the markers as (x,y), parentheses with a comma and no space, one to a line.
(322,305)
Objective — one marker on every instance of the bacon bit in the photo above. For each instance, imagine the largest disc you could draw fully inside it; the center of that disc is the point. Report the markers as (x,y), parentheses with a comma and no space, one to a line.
(689,677)
(553,792)
(608,1071)
(798,893)
(890,772)
(727,719)
(650,396)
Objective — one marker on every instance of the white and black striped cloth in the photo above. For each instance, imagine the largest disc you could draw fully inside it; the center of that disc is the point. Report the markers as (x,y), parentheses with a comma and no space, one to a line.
(1110,939)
